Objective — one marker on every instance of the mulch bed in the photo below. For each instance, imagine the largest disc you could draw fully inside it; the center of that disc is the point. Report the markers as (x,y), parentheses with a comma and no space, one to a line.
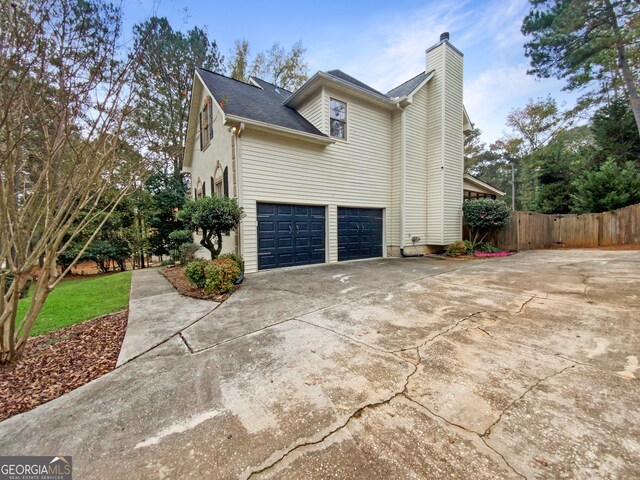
(58,362)
(175,276)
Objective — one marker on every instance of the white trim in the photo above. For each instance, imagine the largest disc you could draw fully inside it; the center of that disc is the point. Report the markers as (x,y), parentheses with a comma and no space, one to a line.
(470,178)
(307,88)
(287,132)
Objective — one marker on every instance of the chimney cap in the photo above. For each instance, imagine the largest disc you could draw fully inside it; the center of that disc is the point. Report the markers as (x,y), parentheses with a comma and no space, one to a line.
(444,36)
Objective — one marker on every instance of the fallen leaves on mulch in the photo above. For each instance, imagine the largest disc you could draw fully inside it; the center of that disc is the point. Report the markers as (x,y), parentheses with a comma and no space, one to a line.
(58,362)
(175,276)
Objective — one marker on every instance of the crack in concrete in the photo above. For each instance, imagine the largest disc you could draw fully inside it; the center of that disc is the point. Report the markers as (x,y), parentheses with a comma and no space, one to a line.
(355,415)
(472,432)
(359,411)
(439,334)
(184,340)
(368,345)
(487,432)
(524,305)
(179,332)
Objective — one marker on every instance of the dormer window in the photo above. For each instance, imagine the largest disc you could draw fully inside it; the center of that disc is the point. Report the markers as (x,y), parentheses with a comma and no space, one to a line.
(338,119)
(206,124)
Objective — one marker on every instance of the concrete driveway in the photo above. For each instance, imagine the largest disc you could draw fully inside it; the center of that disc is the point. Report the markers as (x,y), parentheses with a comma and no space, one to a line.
(525,366)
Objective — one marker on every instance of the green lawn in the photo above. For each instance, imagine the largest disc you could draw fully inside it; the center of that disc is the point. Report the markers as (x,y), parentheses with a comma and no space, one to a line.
(79,299)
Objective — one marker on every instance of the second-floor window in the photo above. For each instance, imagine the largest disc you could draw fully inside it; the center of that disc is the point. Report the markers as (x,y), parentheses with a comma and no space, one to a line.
(206,124)
(337,119)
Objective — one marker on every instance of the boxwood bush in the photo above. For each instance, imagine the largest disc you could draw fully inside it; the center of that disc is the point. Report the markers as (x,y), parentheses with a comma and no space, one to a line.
(215,276)
(235,257)
(220,275)
(195,272)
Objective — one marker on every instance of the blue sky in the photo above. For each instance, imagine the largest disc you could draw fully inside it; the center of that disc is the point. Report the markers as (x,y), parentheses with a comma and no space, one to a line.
(381,43)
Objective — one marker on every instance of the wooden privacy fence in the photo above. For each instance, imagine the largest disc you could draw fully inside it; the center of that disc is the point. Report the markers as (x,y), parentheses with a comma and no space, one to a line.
(530,230)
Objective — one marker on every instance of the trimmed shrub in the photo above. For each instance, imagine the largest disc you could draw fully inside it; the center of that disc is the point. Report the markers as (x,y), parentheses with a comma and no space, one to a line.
(220,275)
(235,257)
(195,272)
(457,249)
(487,247)
(485,216)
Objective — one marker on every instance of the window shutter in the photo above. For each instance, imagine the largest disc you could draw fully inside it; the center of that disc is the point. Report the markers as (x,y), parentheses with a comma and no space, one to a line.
(200,131)
(225,181)
(210,108)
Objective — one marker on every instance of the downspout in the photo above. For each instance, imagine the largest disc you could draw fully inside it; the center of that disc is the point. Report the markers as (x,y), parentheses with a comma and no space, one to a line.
(403,187)
(238,134)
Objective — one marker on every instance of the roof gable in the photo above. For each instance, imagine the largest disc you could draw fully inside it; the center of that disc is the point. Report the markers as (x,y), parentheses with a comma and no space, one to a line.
(406,88)
(348,78)
(260,101)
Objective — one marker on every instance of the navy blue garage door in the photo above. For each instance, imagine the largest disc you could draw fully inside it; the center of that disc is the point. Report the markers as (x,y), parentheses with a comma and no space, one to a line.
(290,235)
(359,233)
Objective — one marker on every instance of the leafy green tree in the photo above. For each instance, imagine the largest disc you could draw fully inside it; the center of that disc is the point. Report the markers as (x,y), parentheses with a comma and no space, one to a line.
(608,188)
(168,195)
(285,69)
(212,216)
(239,63)
(586,42)
(561,160)
(615,134)
(159,121)
(474,148)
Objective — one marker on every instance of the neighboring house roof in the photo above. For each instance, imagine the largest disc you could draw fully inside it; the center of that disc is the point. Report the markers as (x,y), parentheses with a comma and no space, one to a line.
(475,181)
(260,101)
(409,86)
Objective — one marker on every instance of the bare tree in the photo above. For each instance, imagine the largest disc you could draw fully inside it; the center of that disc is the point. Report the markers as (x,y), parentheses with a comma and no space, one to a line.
(65,93)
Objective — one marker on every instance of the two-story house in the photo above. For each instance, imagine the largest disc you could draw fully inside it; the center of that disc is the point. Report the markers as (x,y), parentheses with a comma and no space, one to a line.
(336,170)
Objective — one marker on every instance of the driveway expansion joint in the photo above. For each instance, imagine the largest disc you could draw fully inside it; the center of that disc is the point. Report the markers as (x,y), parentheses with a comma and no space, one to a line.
(209,347)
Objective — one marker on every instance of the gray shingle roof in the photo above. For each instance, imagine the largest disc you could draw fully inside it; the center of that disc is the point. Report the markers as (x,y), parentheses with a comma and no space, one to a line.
(348,78)
(263,104)
(409,86)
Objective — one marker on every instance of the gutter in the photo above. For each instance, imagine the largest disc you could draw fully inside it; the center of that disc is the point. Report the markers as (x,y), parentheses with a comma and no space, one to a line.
(287,132)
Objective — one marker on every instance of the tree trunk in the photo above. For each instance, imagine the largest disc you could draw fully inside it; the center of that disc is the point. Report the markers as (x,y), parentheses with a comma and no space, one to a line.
(623,64)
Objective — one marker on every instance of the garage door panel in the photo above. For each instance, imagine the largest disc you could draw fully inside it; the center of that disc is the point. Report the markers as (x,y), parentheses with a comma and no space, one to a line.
(290,235)
(359,233)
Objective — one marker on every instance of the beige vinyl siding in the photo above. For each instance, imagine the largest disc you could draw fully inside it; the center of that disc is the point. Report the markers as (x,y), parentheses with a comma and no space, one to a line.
(444,146)
(416,169)
(204,164)
(352,173)
(453,158)
(312,110)
(434,149)
(393,215)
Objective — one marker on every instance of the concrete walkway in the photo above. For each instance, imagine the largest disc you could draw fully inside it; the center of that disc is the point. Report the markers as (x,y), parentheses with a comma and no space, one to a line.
(519,367)
(157,312)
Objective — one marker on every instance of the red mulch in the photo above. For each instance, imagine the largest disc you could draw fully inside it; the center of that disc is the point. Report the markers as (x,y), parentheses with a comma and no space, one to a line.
(175,276)
(58,362)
